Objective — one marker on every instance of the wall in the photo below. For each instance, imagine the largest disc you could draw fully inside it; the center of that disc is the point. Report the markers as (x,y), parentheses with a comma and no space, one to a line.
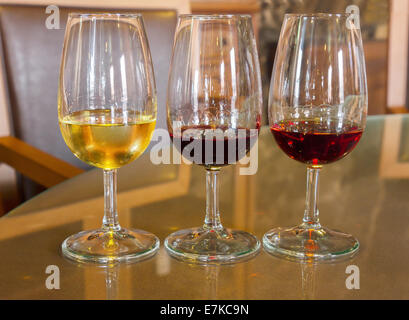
(398,53)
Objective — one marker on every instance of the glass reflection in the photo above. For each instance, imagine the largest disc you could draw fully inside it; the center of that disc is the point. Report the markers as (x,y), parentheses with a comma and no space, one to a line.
(111,280)
(212,275)
(308,280)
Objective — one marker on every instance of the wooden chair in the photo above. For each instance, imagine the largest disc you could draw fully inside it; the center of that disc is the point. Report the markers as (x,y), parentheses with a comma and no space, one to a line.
(33,163)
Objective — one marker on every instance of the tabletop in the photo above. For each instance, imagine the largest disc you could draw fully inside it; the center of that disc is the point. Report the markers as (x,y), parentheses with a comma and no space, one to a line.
(365,194)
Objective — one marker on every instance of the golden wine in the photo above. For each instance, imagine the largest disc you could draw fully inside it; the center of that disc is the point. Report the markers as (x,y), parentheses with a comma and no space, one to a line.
(104,140)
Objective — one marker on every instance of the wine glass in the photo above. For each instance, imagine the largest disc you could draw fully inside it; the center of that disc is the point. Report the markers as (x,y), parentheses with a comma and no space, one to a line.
(317,114)
(107,114)
(214,108)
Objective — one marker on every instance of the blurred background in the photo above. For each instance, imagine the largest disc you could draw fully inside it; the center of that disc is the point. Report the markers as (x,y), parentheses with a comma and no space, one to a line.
(33,153)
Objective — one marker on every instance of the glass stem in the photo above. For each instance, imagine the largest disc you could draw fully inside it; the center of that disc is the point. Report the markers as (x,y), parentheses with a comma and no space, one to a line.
(110,221)
(311,214)
(212,220)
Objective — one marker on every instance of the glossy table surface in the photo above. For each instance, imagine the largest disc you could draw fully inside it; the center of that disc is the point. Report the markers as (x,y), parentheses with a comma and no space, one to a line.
(366,194)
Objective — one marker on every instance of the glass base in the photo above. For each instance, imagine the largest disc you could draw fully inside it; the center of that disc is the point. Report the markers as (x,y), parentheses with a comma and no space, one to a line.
(306,244)
(105,247)
(212,246)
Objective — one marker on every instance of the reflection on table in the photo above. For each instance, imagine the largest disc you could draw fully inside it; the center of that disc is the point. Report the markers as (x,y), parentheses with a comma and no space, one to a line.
(364,194)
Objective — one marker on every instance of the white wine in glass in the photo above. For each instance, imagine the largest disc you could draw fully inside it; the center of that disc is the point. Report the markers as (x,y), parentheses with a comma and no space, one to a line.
(107,114)
(106,142)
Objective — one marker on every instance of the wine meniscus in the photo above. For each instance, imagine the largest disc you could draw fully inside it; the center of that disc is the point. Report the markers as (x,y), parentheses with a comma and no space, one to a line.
(104,140)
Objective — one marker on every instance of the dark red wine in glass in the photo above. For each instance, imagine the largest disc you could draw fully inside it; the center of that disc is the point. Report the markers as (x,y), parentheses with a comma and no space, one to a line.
(214,105)
(218,146)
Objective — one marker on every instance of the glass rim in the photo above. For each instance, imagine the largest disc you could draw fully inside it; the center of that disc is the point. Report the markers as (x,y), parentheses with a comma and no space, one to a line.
(213,16)
(104,15)
(317,15)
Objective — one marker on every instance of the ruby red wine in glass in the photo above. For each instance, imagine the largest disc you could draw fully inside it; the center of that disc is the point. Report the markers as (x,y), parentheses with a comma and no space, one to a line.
(317,113)
(315,144)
